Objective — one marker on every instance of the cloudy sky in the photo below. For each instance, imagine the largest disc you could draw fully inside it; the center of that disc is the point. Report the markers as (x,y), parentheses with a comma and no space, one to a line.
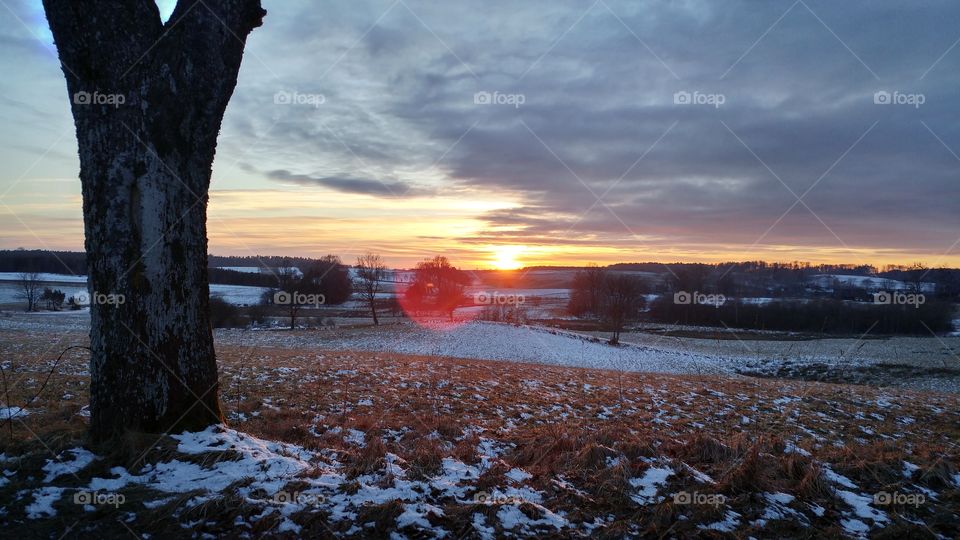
(549,132)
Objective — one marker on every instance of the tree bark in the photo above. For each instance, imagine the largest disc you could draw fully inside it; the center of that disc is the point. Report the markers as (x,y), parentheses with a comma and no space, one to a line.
(373,311)
(148,100)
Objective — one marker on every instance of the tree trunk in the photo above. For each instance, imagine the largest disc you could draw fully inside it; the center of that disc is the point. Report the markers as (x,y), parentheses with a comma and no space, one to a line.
(148,100)
(373,311)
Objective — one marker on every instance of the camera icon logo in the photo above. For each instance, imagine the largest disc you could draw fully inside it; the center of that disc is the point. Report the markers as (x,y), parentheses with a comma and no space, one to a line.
(83,497)
(282,98)
(682,497)
(882,297)
(82,98)
(482,98)
(282,298)
(881,97)
(682,297)
(681,98)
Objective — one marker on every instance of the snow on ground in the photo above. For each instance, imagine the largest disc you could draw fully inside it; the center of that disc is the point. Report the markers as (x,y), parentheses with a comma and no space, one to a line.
(7,413)
(497,341)
(76,288)
(648,485)
(238,294)
(10,291)
(267,468)
(78,459)
(872,282)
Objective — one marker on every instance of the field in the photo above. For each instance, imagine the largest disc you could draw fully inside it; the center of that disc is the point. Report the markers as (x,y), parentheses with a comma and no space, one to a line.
(339,435)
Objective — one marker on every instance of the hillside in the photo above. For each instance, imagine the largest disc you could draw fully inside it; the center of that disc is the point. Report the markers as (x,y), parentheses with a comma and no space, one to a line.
(354,444)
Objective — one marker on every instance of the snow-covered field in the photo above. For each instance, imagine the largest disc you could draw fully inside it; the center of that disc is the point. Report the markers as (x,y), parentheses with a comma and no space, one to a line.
(241,295)
(499,341)
(873,283)
(45,277)
(77,286)
(923,363)
(929,363)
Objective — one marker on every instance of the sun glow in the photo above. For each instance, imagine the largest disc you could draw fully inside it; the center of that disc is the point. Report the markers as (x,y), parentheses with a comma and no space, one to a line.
(505,257)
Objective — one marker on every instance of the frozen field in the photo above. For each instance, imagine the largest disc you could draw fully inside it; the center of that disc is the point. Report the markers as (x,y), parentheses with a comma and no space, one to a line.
(368,444)
(495,341)
(924,363)
(74,285)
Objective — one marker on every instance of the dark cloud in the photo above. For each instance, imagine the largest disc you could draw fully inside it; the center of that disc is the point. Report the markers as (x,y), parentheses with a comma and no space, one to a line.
(348,184)
(598,82)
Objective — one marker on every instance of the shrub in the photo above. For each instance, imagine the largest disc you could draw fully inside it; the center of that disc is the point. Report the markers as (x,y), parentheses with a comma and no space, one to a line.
(223,314)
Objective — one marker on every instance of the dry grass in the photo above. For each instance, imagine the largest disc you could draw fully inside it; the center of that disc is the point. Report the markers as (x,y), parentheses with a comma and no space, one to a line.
(581,434)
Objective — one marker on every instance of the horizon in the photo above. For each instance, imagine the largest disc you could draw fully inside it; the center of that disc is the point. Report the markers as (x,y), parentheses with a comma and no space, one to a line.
(800,263)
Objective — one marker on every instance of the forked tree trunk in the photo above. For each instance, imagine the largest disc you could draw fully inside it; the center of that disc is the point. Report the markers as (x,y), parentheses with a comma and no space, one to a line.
(145,165)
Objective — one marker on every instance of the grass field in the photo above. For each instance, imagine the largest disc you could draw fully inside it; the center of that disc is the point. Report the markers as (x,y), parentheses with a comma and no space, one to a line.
(361,444)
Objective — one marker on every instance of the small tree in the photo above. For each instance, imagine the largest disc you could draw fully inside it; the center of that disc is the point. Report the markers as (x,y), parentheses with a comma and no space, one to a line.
(371,273)
(622,300)
(438,286)
(53,298)
(291,292)
(916,273)
(332,277)
(29,283)
(587,292)
(325,281)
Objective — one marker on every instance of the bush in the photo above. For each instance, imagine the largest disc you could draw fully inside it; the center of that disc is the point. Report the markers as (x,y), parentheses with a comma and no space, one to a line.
(223,314)
(258,313)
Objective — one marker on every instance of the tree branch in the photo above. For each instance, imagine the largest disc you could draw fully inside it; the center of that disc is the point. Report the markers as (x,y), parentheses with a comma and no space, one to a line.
(98,41)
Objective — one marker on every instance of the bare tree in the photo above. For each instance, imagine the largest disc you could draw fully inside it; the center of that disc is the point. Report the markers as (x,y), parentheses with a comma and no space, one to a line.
(371,273)
(148,100)
(916,273)
(622,300)
(30,289)
(587,290)
(290,289)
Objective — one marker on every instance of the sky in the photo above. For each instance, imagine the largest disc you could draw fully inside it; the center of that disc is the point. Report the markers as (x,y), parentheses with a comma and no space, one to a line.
(504,134)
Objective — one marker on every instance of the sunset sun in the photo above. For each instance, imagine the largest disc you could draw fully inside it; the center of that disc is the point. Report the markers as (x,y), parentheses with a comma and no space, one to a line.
(505,257)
